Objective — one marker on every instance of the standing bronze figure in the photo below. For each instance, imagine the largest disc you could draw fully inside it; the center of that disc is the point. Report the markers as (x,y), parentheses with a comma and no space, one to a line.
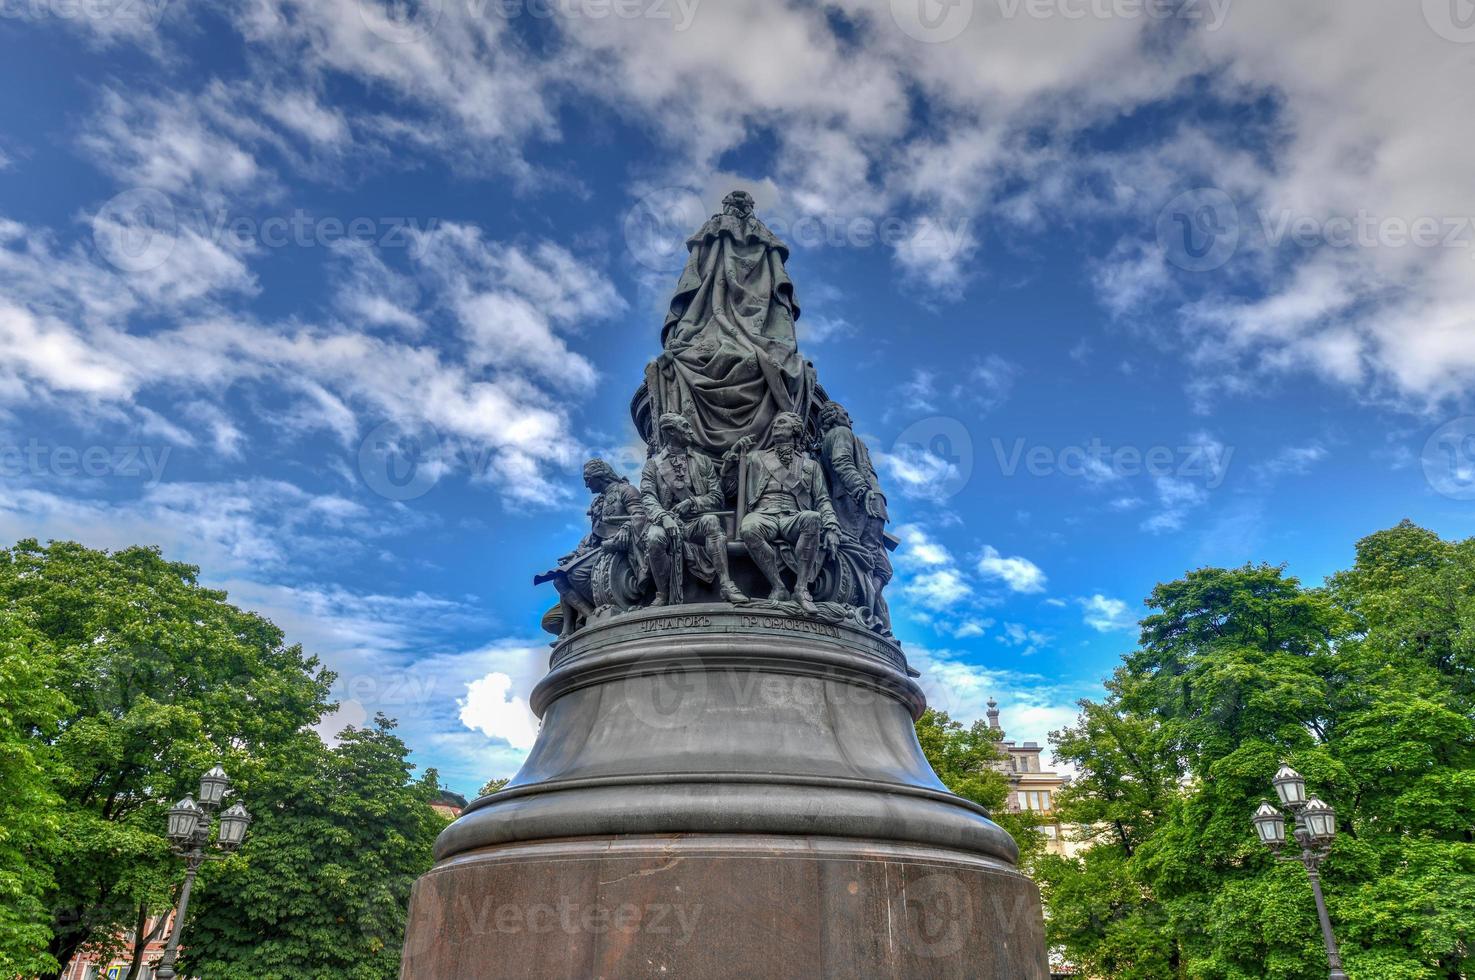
(859,502)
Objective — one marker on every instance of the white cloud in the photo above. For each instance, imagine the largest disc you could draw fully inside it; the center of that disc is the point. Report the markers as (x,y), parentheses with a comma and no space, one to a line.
(817,328)
(939,253)
(192,148)
(971,628)
(233,527)
(1017,572)
(1176,497)
(490,707)
(920,548)
(459,86)
(990,382)
(919,392)
(510,303)
(919,473)
(1028,641)
(504,394)
(1030,705)
(46,350)
(1291,460)
(1105,615)
(1012,95)
(938,590)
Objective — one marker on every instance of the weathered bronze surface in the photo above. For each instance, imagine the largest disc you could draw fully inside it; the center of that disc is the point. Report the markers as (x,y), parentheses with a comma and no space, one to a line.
(727,782)
(755,768)
(729,372)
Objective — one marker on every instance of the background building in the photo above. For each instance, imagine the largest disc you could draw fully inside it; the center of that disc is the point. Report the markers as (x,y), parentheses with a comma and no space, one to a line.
(1032,787)
(89,965)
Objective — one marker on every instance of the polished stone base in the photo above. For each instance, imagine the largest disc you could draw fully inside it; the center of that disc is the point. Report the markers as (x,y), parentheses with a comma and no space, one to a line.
(725,792)
(715,906)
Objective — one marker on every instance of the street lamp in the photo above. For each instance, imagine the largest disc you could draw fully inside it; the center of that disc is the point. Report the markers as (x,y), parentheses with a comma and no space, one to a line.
(233,824)
(189,837)
(1316,827)
(212,786)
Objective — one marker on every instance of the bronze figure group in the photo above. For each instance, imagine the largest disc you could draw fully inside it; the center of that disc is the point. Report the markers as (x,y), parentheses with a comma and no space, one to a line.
(753,480)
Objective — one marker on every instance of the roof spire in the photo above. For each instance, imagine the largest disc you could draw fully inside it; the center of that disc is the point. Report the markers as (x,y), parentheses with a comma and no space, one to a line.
(993,715)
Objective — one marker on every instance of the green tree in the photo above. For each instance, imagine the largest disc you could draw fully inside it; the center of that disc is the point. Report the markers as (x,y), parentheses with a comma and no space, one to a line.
(321,887)
(1102,918)
(1102,915)
(160,679)
(1365,686)
(30,713)
(970,762)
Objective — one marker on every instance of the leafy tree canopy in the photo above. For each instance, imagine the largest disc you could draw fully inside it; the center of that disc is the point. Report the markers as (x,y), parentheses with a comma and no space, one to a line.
(31,709)
(122,679)
(1365,686)
(321,886)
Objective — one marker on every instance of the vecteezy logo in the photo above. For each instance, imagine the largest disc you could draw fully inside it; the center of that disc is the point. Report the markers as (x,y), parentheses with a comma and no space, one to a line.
(1199,229)
(933,457)
(401,459)
(656,228)
(1449,459)
(932,21)
(135,231)
(1453,20)
(400,21)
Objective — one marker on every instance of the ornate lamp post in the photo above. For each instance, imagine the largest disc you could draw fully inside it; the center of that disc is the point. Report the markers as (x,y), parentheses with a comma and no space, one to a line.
(1316,827)
(189,837)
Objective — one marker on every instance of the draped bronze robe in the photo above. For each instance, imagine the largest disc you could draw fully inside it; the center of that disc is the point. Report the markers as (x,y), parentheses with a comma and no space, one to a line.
(731,361)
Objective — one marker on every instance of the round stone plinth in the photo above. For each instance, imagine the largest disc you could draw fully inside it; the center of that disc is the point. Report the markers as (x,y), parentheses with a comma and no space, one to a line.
(756,769)
(717,906)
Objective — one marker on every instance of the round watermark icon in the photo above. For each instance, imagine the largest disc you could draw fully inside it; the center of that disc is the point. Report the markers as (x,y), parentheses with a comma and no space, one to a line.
(1449,459)
(658,225)
(932,21)
(933,458)
(420,932)
(135,231)
(1198,230)
(401,459)
(939,915)
(1453,20)
(665,694)
(400,21)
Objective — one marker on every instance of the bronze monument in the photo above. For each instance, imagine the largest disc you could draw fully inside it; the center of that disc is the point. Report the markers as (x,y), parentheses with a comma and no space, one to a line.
(727,782)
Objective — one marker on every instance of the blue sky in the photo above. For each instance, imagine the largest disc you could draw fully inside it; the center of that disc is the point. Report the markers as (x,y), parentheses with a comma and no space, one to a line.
(1113,289)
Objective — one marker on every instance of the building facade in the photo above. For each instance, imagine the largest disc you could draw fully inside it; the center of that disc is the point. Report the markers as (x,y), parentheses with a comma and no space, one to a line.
(1033,788)
(89,965)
